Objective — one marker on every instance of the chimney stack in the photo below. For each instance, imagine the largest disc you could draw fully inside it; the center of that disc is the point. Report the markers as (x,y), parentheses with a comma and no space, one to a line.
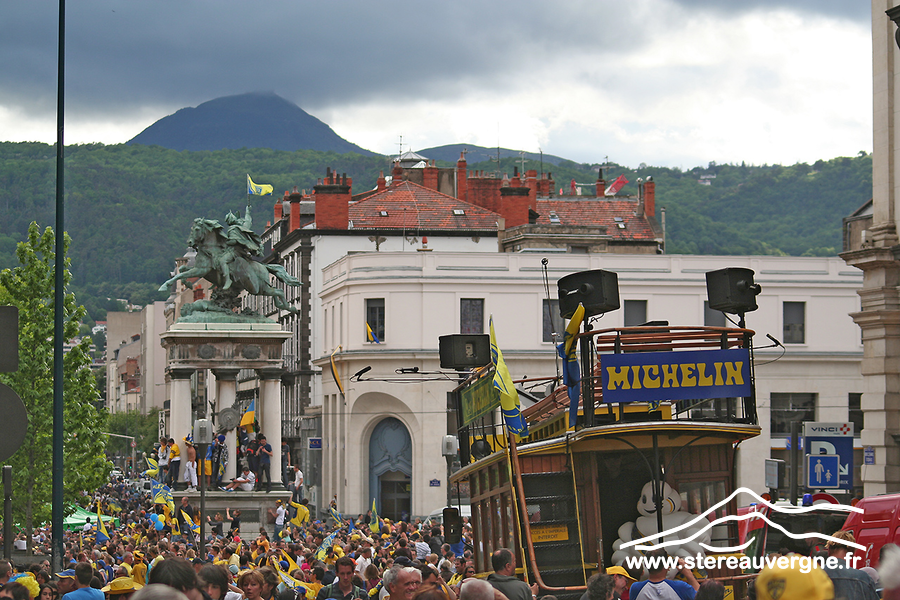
(650,197)
(380,183)
(430,176)
(295,199)
(332,202)
(462,177)
(279,207)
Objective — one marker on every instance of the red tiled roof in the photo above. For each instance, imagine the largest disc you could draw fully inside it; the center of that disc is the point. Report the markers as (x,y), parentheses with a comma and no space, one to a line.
(409,205)
(597,213)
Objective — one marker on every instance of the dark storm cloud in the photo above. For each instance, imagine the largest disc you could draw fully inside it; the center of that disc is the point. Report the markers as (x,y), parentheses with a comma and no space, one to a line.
(124,54)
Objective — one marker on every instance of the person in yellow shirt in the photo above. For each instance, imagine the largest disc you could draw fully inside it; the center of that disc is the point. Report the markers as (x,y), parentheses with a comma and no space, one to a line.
(174,462)
(139,570)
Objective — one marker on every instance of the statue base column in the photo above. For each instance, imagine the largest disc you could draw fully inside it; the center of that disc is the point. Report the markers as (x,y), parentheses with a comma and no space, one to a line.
(226,394)
(270,417)
(225,347)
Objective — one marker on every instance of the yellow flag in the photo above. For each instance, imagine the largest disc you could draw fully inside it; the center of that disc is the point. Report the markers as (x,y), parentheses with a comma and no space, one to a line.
(509,396)
(258,189)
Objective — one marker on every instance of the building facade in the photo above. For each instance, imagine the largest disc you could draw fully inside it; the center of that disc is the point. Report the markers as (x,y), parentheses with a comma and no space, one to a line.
(381,436)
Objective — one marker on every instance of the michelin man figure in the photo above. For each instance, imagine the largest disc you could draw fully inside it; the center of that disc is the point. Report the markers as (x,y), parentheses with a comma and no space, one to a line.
(673,517)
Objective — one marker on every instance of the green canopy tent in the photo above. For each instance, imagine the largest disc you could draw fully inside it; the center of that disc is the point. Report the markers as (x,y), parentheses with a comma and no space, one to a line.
(78,518)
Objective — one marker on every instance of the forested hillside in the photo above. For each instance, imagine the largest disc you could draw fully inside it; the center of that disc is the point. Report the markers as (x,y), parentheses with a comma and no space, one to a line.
(129,207)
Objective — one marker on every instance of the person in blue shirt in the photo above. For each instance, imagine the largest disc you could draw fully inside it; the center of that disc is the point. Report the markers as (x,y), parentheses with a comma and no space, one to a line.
(265,463)
(84,572)
(657,587)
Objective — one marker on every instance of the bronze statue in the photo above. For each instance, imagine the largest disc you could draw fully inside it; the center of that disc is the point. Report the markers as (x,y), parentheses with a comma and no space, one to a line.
(225,259)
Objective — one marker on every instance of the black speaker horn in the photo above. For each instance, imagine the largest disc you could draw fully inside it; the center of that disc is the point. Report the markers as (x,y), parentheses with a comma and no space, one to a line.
(732,290)
(597,290)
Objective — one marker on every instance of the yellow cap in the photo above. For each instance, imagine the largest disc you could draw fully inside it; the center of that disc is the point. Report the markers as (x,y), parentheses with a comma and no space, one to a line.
(793,584)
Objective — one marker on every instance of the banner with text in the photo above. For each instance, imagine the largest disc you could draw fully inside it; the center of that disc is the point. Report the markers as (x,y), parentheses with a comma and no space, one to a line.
(687,375)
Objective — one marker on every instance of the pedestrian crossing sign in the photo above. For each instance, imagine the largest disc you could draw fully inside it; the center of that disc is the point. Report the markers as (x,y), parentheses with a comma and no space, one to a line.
(822,471)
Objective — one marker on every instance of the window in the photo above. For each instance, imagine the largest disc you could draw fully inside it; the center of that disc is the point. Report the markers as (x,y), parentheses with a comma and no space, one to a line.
(854,403)
(578,249)
(635,312)
(787,408)
(375,317)
(794,320)
(712,318)
(471,315)
(552,322)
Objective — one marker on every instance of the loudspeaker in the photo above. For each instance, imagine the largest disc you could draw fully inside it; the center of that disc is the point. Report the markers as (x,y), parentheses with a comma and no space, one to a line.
(732,290)
(597,290)
(464,351)
(452,525)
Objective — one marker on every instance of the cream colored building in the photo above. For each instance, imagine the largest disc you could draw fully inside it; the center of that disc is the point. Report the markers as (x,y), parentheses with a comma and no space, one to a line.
(383,438)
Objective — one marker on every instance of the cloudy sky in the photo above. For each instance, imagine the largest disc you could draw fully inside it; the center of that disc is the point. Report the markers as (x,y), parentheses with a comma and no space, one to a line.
(666,82)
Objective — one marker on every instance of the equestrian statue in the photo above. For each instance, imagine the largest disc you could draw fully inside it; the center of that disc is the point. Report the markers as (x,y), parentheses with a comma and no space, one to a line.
(225,258)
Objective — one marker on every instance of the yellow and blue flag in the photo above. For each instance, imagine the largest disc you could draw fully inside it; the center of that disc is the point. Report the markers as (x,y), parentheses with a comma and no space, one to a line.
(333,511)
(571,370)
(102,534)
(250,416)
(258,189)
(327,543)
(509,396)
(374,524)
(370,335)
(154,468)
(195,527)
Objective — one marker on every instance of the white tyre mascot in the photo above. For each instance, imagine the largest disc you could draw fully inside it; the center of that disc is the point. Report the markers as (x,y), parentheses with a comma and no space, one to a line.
(673,516)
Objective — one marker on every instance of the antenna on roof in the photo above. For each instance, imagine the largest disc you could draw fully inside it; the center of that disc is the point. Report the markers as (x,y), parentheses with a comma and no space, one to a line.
(400,151)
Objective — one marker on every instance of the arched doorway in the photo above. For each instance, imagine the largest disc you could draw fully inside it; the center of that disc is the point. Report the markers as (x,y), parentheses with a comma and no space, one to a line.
(390,469)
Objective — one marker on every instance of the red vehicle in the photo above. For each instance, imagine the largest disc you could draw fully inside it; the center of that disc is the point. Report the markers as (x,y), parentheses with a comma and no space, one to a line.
(878,525)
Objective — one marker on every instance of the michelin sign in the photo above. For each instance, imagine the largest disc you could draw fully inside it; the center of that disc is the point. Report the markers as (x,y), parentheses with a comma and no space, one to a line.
(688,375)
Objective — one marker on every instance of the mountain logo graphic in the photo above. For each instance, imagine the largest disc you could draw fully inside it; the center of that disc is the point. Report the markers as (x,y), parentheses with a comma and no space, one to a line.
(646,543)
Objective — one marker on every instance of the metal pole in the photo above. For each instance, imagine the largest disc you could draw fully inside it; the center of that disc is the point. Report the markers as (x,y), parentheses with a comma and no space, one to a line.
(587,377)
(7,512)
(202,476)
(795,460)
(57,507)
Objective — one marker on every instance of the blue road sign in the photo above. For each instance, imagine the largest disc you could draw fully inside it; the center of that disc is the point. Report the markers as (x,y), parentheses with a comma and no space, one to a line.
(832,438)
(822,471)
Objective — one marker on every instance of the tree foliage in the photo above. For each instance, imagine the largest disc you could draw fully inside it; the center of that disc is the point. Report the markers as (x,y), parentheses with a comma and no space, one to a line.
(144,428)
(30,287)
(129,208)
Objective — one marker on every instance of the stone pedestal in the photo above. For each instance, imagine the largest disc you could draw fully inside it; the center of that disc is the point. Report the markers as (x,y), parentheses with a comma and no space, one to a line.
(254,507)
(226,348)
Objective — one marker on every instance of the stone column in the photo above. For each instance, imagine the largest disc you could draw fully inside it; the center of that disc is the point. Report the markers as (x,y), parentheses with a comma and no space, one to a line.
(269,415)
(226,394)
(876,256)
(180,423)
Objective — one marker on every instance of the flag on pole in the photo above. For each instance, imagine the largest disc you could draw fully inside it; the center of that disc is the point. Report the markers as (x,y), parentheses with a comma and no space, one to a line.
(249,416)
(571,370)
(334,372)
(509,397)
(154,468)
(258,189)
(102,534)
(616,185)
(194,527)
(370,335)
(374,525)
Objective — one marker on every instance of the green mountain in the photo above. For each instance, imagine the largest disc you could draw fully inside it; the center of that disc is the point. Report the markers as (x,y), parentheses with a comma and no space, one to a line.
(129,207)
